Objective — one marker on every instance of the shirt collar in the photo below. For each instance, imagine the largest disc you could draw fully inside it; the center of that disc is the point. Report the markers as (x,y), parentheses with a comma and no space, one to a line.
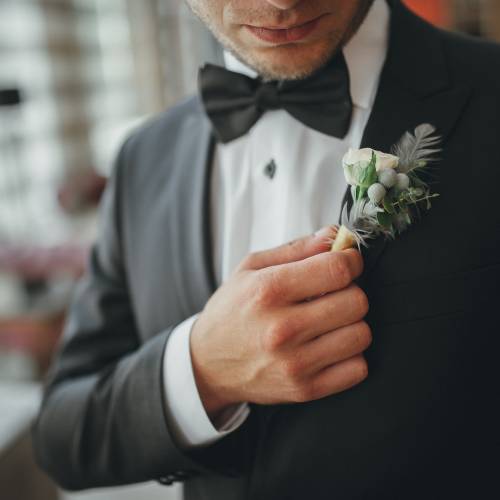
(364,53)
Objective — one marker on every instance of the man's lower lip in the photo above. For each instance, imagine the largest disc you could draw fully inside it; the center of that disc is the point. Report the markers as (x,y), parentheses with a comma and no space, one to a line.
(284,35)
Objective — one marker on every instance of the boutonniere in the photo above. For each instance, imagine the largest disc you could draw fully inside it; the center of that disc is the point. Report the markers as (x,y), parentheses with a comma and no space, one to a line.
(388,190)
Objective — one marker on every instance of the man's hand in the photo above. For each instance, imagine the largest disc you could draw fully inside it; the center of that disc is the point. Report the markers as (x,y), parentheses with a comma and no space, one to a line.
(287,326)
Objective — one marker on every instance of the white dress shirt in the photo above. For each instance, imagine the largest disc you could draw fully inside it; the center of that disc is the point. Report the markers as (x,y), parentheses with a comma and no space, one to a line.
(252,210)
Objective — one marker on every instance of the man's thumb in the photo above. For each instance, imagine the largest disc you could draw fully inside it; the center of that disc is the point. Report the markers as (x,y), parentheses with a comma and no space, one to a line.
(294,250)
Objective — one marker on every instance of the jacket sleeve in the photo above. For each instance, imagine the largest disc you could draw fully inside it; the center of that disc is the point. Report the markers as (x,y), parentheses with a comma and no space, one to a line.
(102,420)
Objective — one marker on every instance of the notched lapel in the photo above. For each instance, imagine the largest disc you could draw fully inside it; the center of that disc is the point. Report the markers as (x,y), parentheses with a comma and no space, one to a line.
(195,273)
(414,88)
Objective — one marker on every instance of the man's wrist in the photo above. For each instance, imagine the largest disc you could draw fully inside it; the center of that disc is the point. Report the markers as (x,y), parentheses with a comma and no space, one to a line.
(187,419)
(216,406)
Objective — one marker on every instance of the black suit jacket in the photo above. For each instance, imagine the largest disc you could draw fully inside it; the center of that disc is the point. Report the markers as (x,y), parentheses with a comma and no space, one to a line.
(424,424)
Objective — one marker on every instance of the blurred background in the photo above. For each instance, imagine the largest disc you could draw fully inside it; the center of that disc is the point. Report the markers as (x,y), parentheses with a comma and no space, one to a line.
(76,76)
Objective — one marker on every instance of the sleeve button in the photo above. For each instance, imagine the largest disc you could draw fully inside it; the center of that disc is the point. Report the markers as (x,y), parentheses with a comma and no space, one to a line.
(167,480)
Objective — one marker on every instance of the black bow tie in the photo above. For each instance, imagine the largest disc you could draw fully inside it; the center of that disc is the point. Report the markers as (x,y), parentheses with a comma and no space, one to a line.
(234,102)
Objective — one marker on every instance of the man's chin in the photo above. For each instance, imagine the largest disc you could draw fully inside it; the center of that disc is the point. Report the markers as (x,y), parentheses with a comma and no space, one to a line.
(288,62)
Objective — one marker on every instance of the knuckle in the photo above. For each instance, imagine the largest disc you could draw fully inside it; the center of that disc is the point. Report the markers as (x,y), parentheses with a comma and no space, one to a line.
(291,369)
(271,342)
(263,292)
(360,300)
(360,368)
(268,288)
(356,261)
(339,269)
(248,262)
(276,336)
(365,336)
(303,392)
(361,262)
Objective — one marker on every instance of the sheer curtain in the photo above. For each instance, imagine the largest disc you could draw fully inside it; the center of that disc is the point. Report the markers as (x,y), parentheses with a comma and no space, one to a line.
(166,44)
(170,44)
(187,45)
(88,72)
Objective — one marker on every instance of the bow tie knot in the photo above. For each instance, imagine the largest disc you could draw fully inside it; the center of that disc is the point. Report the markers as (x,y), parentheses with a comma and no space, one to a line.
(267,97)
(234,102)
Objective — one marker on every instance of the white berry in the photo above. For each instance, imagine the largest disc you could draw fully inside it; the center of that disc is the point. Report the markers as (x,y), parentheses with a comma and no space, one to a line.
(387,177)
(402,181)
(376,192)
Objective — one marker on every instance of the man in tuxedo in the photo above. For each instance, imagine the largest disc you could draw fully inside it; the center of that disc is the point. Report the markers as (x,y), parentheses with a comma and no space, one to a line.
(215,340)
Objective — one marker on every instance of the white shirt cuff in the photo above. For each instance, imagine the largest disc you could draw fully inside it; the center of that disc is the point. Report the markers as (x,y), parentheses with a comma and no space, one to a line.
(187,417)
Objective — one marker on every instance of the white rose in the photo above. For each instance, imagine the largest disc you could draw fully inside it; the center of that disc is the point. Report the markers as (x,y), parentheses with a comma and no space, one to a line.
(385,160)
(357,155)
(356,160)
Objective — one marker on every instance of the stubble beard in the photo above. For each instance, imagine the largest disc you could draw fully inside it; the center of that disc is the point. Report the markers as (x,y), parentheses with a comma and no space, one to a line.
(298,66)
(270,69)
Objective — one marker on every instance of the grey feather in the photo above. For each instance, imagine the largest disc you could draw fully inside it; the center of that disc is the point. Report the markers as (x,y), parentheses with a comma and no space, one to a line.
(362,220)
(415,150)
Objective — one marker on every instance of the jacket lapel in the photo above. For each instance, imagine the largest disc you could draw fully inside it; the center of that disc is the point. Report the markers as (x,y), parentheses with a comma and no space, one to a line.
(414,88)
(195,273)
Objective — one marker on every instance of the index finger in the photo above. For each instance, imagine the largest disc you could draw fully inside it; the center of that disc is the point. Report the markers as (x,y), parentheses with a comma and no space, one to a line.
(316,275)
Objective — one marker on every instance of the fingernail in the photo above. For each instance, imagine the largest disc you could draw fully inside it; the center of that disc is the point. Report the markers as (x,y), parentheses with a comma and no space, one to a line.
(326,232)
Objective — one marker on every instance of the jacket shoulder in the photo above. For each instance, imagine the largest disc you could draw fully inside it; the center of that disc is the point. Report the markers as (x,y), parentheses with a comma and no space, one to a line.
(152,150)
(472,60)
(161,129)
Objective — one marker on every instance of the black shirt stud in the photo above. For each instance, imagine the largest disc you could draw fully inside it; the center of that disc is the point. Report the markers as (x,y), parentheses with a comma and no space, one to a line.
(270,169)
